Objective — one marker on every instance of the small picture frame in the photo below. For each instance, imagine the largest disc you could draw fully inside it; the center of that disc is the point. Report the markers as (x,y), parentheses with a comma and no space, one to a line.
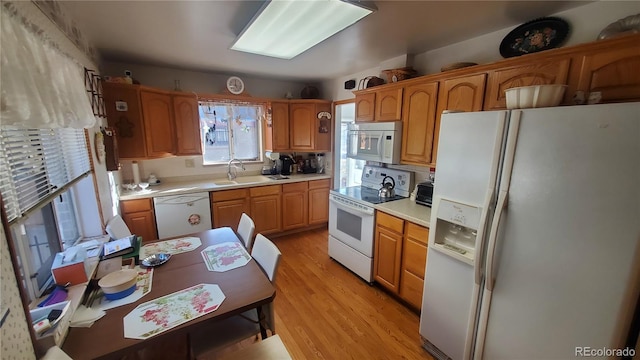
(121,106)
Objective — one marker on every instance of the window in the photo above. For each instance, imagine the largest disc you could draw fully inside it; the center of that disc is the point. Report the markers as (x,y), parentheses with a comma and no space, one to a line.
(230,130)
(38,170)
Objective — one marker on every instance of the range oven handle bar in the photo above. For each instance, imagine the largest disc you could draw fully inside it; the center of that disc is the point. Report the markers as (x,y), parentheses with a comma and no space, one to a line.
(352,205)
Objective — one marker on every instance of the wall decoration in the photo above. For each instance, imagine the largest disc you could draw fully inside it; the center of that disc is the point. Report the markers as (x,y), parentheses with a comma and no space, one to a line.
(533,36)
(93,83)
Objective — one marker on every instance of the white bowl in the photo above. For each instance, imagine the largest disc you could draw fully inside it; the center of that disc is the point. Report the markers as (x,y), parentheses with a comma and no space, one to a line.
(535,96)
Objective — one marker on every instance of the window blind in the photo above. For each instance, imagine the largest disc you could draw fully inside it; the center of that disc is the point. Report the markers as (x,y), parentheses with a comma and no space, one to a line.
(38,163)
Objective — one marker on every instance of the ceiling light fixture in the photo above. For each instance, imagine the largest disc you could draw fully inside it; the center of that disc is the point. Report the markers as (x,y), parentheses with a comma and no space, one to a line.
(286,28)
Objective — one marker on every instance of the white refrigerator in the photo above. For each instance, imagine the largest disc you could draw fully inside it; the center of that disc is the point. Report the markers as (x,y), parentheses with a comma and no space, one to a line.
(534,248)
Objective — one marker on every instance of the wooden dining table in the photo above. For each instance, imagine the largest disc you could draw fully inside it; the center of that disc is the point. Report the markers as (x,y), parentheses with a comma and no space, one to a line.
(245,288)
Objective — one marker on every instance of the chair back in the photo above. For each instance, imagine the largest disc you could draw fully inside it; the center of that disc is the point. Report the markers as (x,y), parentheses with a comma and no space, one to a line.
(117,229)
(246,228)
(267,255)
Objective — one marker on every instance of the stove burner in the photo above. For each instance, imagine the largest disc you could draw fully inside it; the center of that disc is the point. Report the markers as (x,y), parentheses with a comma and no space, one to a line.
(366,194)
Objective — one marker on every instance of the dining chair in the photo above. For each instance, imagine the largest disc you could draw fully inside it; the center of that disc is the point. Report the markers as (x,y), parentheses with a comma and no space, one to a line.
(269,349)
(117,229)
(241,327)
(246,227)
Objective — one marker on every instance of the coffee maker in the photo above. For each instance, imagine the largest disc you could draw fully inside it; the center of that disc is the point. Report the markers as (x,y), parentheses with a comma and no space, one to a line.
(287,162)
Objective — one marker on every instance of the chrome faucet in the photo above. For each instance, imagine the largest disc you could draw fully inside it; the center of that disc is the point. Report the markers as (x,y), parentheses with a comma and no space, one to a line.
(233,174)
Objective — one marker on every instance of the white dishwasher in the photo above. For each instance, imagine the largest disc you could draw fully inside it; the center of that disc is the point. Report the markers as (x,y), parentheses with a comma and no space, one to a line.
(182,214)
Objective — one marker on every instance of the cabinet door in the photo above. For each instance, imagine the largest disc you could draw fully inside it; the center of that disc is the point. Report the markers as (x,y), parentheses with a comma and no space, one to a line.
(365,107)
(122,103)
(418,123)
(414,261)
(265,211)
(386,268)
(463,93)
(280,126)
(302,122)
(542,72)
(318,206)
(294,205)
(615,73)
(228,212)
(389,105)
(187,124)
(158,123)
(142,223)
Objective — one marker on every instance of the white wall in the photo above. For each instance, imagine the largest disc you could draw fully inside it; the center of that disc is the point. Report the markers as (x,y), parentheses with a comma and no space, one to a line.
(586,22)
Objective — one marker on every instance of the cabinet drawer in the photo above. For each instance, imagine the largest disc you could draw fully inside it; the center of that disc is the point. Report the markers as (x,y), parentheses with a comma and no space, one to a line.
(130,206)
(229,195)
(417,232)
(295,187)
(390,222)
(265,190)
(411,288)
(317,184)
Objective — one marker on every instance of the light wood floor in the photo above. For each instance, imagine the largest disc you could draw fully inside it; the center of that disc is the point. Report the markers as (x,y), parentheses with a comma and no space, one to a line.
(323,311)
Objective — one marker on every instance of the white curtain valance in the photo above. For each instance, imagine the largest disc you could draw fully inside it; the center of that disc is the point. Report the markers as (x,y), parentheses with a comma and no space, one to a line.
(41,87)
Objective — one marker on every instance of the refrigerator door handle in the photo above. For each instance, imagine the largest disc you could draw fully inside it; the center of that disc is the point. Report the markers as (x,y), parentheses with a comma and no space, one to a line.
(480,237)
(493,235)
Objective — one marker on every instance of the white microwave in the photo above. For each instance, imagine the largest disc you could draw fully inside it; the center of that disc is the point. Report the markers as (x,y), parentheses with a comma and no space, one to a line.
(375,141)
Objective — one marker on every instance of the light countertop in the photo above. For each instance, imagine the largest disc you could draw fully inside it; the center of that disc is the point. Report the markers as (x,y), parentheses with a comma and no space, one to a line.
(408,210)
(192,186)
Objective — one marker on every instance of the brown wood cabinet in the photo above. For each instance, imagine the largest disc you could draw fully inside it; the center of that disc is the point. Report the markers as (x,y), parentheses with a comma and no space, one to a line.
(388,251)
(365,106)
(319,201)
(548,71)
(124,114)
(464,93)
(140,218)
(414,261)
(187,124)
(389,104)
(295,126)
(157,114)
(400,257)
(295,207)
(266,208)
(418,123)
(227,207)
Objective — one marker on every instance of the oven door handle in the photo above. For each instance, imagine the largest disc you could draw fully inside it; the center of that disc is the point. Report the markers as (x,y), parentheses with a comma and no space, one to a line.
(366,211)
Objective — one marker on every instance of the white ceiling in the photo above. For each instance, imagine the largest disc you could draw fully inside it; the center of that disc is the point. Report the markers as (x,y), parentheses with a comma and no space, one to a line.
(196,35)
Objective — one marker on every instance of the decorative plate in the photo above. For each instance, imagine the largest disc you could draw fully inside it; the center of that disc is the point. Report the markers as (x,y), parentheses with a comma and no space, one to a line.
(533,36)
(156,259)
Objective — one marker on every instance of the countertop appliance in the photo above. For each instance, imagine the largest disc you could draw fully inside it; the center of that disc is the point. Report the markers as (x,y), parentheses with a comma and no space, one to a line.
(379,141)
(182,214)
(351,217)
(526,258)
(287,163)
(424,194)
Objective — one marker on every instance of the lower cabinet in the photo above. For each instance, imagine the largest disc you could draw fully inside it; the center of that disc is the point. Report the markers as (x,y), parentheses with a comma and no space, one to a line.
(295,200)
(140,218)
(227,207)
(266,208)
(319,201)
(400,257)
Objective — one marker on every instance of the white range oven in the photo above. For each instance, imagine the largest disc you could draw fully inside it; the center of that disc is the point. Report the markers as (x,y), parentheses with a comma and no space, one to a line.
(352,218)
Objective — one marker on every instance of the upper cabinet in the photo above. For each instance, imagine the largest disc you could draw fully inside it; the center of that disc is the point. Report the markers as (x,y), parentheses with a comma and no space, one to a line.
(418,123)
(551,71)
(613,71)
(187,122)
(379,105)
(299,125)
(152,123)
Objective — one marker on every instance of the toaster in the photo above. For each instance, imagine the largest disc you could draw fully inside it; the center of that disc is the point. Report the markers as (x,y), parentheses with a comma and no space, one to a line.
(424,196)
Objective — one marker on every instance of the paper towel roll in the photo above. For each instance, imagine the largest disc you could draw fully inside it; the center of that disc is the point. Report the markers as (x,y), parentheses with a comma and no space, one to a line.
(136,172)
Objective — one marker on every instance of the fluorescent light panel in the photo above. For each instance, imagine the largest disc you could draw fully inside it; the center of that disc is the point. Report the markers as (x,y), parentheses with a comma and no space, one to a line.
(286,28)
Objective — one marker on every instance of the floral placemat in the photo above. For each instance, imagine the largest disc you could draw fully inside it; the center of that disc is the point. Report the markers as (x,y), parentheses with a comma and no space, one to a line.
(175,246)
(225,256)
(143,287)
(164,313)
